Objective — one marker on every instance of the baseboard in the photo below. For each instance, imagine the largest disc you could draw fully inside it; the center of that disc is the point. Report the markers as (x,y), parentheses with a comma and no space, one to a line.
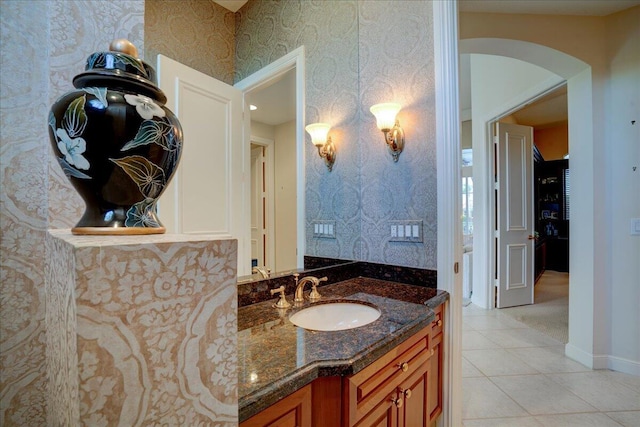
(626,366)
(580,356)
(606,361)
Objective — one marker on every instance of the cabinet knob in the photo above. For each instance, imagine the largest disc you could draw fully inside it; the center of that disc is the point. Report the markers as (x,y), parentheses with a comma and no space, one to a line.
(439,322)
(433,352)
(397,401)
(404,366)
(407,394)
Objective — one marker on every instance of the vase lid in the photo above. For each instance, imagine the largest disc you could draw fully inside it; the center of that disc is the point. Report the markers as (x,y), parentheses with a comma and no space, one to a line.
(122,66)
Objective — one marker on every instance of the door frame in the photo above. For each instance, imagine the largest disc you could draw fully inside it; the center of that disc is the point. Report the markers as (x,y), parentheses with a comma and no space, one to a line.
(542,90)
(294,60)
(267,144)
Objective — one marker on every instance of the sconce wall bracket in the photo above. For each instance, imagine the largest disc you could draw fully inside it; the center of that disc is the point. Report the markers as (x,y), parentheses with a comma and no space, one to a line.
(394,138)
(328,153)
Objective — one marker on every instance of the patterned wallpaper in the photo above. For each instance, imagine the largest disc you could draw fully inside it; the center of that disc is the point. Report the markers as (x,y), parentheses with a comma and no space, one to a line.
(44,44)
(197,33)
(358,54)
(398,66)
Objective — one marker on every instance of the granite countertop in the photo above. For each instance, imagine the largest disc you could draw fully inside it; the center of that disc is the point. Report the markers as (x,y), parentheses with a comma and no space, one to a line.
(275,358)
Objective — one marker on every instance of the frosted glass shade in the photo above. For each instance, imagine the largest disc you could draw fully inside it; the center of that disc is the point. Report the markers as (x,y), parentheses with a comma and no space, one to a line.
(385,114)
(318,132)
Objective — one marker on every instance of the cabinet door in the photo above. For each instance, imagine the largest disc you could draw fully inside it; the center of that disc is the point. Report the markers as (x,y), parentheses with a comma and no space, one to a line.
(383,415)
(364,391)
(292,411)
(414,391)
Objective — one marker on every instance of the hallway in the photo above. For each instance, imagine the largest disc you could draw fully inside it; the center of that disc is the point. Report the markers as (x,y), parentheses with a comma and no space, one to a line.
(516,376)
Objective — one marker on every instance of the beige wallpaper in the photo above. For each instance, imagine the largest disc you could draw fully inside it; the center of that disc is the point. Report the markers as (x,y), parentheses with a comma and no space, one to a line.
(197,33)
(141,332)
(44,44)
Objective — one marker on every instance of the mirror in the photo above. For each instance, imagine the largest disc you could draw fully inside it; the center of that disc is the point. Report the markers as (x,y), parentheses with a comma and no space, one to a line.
(273,175)
(233,47)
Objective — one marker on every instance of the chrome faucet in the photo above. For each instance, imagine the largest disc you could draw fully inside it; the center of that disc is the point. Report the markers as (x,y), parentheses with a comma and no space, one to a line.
(314,295)
(263,271)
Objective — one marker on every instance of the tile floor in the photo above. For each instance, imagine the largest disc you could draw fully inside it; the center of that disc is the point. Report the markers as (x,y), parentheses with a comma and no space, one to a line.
(516,376)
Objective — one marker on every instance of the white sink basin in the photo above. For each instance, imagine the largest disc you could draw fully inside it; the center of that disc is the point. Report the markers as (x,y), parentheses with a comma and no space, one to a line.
(335,316)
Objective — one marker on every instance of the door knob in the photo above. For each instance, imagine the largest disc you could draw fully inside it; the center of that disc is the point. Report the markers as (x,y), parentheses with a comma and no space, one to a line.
(531,237)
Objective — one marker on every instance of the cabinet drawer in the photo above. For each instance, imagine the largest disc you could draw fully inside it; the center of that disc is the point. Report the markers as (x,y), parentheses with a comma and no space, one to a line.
(436,325)
(366,389)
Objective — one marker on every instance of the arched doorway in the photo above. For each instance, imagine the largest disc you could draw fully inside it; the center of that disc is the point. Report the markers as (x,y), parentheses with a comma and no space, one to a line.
(581,148)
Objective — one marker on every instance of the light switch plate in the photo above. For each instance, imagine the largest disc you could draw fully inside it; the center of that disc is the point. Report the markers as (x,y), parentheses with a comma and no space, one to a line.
(405,231)
(324,229)
(635,226)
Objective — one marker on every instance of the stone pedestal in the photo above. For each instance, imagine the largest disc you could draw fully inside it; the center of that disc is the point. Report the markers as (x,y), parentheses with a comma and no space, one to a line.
(141,330)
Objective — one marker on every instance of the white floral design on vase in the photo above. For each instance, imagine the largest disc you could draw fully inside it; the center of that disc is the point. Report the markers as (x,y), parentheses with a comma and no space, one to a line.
(145,106)
(72,149)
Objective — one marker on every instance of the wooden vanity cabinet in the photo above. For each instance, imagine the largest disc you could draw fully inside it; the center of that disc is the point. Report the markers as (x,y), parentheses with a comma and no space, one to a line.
(402,388)
(378,390)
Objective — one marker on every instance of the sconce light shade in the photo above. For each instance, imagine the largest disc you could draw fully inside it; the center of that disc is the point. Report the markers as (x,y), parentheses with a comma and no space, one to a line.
(318,132)
(385,114)
(319,137)
(386,120)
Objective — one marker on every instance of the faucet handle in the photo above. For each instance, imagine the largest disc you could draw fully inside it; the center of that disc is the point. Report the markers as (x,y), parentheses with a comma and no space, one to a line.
(282,302)
(314,295)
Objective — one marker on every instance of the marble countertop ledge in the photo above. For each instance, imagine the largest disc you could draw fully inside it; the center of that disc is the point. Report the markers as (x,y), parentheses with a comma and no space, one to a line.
(275,357)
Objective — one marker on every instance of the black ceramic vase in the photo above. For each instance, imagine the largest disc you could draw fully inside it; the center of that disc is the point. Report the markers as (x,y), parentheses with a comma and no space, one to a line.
(116,142)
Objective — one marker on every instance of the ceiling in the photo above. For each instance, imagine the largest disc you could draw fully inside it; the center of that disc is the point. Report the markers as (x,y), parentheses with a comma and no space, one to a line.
(277,102)
(232,5)
(547,111)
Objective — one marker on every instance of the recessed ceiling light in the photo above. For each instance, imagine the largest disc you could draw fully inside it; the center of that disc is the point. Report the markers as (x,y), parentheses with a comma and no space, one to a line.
(252,107)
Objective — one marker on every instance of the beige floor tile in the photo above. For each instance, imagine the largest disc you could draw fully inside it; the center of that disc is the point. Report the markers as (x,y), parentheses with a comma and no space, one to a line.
(474,340)
(539,395)
(468,370)
(626,379)
(494,362)
(474,310)
(548,359)
(490,323)
(577,420)
(519,338)
(504,422)
(601,389)
(626,418)
(482,399)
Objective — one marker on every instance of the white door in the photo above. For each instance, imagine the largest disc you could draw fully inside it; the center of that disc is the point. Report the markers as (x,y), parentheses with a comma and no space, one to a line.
(515,246)
(208,194)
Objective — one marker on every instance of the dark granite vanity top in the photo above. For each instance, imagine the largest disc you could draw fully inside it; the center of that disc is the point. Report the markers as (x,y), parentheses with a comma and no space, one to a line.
(275,358)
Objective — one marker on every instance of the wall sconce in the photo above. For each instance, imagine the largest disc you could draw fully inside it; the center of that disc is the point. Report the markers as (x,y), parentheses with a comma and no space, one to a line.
(387,123)
(319,137)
